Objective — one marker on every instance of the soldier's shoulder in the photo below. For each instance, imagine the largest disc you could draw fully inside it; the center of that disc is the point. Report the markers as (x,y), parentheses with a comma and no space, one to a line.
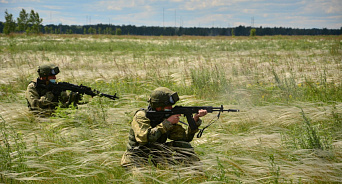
(32,84)
(140,113)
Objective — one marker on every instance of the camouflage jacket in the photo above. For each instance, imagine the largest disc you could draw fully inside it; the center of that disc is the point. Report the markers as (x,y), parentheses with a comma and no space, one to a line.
(145,131)
(39,97)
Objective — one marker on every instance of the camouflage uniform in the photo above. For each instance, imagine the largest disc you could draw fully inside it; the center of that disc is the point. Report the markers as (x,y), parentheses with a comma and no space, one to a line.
(148,142)
(39,97)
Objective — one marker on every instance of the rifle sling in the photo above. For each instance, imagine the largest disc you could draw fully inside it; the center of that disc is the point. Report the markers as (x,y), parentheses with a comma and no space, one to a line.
(199,135)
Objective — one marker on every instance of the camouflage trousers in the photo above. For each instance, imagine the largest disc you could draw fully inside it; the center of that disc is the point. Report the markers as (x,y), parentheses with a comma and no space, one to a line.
(157,154)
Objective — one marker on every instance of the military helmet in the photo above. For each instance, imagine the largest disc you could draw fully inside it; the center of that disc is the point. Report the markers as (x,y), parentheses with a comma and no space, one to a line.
(162,97)
(47,70)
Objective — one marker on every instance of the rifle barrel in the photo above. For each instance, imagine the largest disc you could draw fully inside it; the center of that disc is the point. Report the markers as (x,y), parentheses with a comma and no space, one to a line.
(113,97)
(224,110)
(232,110)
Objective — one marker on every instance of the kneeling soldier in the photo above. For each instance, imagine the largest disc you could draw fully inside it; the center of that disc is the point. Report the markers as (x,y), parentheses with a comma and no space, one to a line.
(148,137)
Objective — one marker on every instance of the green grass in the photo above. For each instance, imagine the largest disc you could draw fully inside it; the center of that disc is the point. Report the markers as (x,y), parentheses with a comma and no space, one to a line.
(289,91)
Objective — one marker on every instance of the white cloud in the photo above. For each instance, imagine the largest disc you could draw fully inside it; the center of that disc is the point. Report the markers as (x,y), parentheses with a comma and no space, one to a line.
(249,11)
(323,6)
(21,1)
(203,4)
(334,8)
(214,20)
(4,1)
(111,5)
(121,4)
(53,7)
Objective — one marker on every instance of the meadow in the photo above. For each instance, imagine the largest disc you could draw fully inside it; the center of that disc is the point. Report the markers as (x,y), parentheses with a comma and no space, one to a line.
(288,90)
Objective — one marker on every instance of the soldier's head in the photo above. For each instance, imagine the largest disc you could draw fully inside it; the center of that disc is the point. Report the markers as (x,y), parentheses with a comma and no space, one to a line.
(48,72)
(163,97)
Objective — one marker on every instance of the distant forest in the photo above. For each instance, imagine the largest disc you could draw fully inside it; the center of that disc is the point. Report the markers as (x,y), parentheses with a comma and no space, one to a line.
(172,31)
(31,23)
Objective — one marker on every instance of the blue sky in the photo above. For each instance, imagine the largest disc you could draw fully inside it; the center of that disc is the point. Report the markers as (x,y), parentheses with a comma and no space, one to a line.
(185,13)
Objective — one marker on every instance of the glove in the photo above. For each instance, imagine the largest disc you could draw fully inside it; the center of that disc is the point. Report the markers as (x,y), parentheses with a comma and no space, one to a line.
(74,97)
(49,96)
(64,97)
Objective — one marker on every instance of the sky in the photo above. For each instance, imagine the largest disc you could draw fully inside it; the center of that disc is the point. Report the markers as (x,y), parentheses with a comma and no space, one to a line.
(184,13)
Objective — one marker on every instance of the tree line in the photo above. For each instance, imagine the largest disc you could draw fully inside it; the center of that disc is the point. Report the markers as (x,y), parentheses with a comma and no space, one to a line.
(31,23)
(26,22)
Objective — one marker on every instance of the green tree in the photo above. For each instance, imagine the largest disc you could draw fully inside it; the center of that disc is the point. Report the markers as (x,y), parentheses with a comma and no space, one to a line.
(46,29)
(252,32)
(23,21)
(233,33)
(9,24)
(90,30)
(118,31)
(35,21)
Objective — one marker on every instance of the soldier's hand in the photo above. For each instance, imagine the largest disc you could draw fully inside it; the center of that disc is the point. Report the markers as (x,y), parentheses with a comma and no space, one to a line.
(49,96)
(64,97)
(174,119)
(79,97)
(74,97)
(200,113)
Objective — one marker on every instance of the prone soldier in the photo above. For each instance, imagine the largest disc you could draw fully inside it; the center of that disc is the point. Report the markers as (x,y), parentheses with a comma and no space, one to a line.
(40,98)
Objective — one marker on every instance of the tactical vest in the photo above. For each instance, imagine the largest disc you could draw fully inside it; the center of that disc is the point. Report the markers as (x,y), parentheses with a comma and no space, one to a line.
(41,90)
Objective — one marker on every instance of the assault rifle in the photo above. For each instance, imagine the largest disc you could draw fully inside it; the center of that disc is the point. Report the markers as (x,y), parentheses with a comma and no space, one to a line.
(57,88)
(187,111)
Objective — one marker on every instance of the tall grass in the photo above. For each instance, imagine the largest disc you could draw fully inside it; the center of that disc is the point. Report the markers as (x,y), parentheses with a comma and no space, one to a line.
(12,152)
(287,88)
(310,136)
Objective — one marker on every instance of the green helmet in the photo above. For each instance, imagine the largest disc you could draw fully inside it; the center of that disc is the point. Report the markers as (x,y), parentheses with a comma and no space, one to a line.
(162,97)
(47,70)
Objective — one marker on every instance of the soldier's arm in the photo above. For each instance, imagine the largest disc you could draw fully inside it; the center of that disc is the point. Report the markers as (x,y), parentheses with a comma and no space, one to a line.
(35,101)
(179,133)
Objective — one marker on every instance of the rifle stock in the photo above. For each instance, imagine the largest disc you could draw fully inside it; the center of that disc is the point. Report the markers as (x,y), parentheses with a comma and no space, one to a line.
(187,111)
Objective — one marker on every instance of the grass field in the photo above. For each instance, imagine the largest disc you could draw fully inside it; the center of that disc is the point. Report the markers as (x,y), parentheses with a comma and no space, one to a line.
(288,89)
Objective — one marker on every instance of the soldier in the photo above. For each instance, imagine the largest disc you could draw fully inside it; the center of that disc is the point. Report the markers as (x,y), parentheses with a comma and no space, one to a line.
(148,137)
(40,97)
